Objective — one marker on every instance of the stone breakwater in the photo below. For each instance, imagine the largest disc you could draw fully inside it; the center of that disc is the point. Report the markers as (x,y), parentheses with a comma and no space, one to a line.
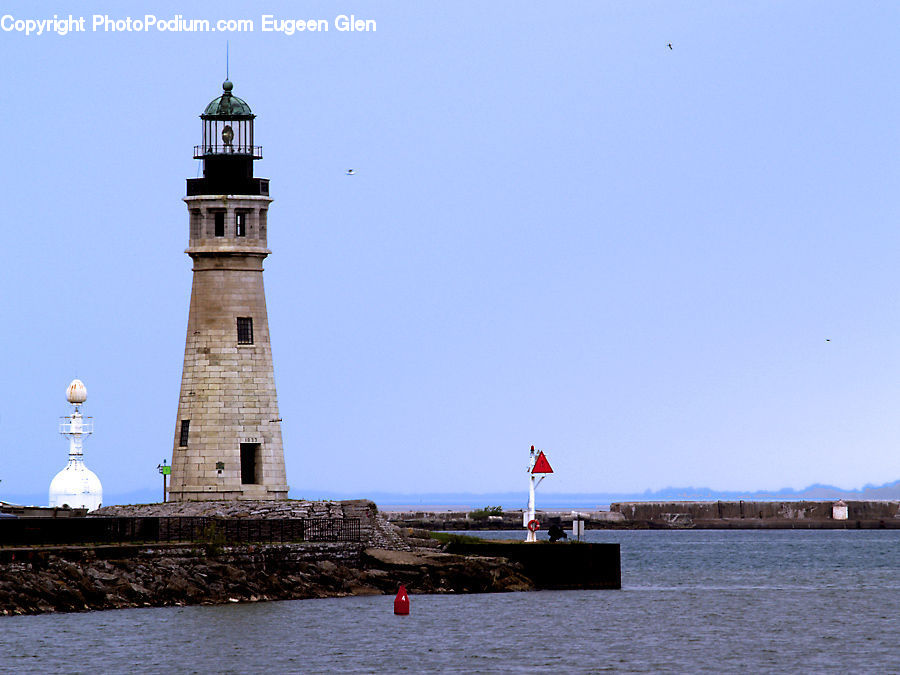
(675,515)
(79,578)
(759,515)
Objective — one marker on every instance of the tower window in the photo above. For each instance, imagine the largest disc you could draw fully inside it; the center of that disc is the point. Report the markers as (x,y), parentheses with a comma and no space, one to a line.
(250,463)
(240,224)
(220,223)
(183,440)
(245,330)
(195,223)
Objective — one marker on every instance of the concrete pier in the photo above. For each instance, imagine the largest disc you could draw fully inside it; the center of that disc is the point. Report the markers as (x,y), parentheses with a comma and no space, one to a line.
(555,566)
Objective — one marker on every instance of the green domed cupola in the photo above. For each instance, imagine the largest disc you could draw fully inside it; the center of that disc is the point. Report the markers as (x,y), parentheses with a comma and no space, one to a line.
(228,105)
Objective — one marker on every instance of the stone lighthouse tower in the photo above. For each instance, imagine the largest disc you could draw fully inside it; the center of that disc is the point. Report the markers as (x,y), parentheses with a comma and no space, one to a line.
(227,433)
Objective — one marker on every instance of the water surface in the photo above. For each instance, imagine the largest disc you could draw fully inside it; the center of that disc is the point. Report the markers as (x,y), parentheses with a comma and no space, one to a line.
(692,601)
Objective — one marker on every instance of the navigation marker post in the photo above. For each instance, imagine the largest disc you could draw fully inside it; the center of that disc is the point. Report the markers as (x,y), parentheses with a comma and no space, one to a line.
(166,471)
(536,464)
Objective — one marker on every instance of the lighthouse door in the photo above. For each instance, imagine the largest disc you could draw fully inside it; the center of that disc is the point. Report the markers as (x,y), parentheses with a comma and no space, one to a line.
(250,463)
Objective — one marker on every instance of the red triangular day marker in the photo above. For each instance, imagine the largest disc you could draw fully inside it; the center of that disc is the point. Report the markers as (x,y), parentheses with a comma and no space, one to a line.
(541,465)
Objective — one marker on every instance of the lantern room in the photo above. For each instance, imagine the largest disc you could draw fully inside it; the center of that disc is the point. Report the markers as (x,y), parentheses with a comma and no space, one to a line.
(227,127)
(227,149)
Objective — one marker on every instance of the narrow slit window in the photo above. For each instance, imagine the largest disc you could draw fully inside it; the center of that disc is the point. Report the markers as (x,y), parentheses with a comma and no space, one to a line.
(263,218)
(240,224)
(245,330)
(183,435)
(196,217)
(220,223)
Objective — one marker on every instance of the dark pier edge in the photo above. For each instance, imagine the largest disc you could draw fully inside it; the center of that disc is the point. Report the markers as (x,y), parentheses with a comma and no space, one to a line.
(563,566)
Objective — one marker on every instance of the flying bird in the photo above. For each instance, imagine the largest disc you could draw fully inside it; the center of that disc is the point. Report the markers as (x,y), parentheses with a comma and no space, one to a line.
(669,45)
(351,172)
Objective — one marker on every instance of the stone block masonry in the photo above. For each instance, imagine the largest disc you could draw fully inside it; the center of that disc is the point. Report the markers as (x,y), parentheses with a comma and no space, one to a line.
(375,530)
(759,514)
(227,442)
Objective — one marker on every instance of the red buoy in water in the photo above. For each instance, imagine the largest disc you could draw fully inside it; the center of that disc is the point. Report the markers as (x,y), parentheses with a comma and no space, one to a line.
(401,602)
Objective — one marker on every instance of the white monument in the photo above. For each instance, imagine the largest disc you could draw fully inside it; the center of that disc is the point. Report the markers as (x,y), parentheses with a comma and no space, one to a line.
(76,486)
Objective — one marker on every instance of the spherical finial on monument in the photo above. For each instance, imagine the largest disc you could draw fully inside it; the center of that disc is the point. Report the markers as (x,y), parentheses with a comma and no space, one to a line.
(76,393)
(227,85)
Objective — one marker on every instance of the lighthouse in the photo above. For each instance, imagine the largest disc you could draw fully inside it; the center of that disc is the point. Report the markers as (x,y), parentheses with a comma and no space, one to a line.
(227,431)
(76,486)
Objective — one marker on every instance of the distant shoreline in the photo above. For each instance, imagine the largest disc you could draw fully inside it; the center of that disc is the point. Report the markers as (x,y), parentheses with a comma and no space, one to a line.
(467,501)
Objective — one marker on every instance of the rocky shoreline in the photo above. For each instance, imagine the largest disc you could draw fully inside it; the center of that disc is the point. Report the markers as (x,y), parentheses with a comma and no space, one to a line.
(82,580)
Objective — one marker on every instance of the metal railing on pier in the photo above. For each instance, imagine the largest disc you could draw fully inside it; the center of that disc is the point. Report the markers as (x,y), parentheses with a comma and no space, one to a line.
(134,530)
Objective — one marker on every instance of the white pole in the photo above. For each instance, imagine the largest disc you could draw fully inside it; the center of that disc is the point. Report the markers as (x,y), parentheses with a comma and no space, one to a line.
(530,536)
(76,442)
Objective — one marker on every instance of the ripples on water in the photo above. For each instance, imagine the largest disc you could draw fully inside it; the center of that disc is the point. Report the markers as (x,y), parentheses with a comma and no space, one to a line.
(692,601)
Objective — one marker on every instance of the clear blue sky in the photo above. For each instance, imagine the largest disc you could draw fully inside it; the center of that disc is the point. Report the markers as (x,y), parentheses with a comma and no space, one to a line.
(561,232)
